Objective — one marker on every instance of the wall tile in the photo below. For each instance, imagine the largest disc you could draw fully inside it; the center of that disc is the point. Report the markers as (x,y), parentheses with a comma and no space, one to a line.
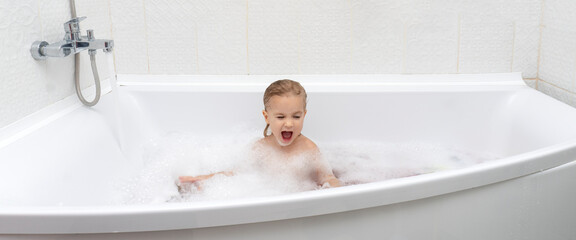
(53,15)
(172,37)
(325,36)
(526,15)
(377,41)
(559,14)
(23,86)
(557,69)
(59,77)
(526,44)
(518,19)
(558,58)
(555,92)
(432,44)
(221,29)
(59,72)
(486,44)
(130,38)
(531,83)
(98,17)
(273,37)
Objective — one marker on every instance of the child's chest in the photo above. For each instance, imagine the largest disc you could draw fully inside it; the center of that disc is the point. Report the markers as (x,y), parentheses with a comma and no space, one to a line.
(282,165)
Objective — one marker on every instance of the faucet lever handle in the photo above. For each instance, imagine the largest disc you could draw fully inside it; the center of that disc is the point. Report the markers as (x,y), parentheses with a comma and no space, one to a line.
(73,25)
(76,20)
(72,28)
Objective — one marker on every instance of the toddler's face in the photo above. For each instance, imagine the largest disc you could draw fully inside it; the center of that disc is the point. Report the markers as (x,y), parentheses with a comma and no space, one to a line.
(285,114)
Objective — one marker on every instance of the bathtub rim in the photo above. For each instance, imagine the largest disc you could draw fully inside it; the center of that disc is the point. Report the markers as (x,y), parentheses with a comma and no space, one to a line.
(19,129)
(175,216)
(326,83)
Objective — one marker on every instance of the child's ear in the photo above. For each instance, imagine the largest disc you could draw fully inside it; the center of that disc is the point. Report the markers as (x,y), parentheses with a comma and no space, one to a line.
(265,116)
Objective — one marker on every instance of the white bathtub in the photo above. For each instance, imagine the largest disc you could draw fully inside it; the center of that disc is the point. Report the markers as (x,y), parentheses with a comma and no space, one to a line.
(58,168)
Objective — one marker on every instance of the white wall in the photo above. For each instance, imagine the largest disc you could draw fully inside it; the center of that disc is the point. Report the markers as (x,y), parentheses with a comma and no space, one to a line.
(534,37)
(326,36)
(557,70)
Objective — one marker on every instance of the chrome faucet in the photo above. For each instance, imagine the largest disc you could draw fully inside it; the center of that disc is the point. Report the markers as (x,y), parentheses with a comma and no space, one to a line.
(73,43)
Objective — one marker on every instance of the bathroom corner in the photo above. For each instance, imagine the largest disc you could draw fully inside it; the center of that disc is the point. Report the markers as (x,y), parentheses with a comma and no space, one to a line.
(28,85)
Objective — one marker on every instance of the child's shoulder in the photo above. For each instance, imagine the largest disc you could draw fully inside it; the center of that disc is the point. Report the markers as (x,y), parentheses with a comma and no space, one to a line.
(307,144)
(263,141)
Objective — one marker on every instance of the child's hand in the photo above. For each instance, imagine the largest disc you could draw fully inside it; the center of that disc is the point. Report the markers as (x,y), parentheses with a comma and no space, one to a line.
(185,182)
(191,179)
(332,182)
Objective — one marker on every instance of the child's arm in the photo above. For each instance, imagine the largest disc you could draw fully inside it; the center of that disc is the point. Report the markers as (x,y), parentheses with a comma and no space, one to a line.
(324,175)
(194,179)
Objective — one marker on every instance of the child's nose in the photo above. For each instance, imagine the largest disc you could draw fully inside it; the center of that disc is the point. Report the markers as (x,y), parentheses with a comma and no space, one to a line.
(289,123)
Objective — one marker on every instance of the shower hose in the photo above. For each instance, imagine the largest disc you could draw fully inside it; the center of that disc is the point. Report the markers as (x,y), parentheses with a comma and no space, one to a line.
(92,54)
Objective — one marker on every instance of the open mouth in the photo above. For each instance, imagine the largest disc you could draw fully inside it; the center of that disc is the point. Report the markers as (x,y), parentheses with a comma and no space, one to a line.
(286,136)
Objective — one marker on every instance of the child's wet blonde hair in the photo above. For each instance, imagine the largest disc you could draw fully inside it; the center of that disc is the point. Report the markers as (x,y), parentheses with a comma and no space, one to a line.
(280,88)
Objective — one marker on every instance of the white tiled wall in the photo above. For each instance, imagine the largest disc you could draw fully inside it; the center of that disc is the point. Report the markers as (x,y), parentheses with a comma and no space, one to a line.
(557,69)
(24,83)
(327,36)
(290,37)
(272,53)
(377,36)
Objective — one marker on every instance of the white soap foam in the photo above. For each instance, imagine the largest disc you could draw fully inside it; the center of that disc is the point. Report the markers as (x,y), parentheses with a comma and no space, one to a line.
(353,162)
(357,162)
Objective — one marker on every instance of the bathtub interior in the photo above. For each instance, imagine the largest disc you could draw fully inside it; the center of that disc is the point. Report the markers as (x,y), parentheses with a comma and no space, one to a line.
(78,159)
(502,122)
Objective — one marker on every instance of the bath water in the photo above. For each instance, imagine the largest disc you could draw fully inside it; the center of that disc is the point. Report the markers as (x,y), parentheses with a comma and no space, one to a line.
(353,162)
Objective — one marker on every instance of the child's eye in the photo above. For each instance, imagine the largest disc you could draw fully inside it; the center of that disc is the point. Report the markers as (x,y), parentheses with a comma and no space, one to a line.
(280,117)
(296,117)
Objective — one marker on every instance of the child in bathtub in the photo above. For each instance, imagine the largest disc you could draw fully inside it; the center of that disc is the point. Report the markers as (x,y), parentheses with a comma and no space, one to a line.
(285,147)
